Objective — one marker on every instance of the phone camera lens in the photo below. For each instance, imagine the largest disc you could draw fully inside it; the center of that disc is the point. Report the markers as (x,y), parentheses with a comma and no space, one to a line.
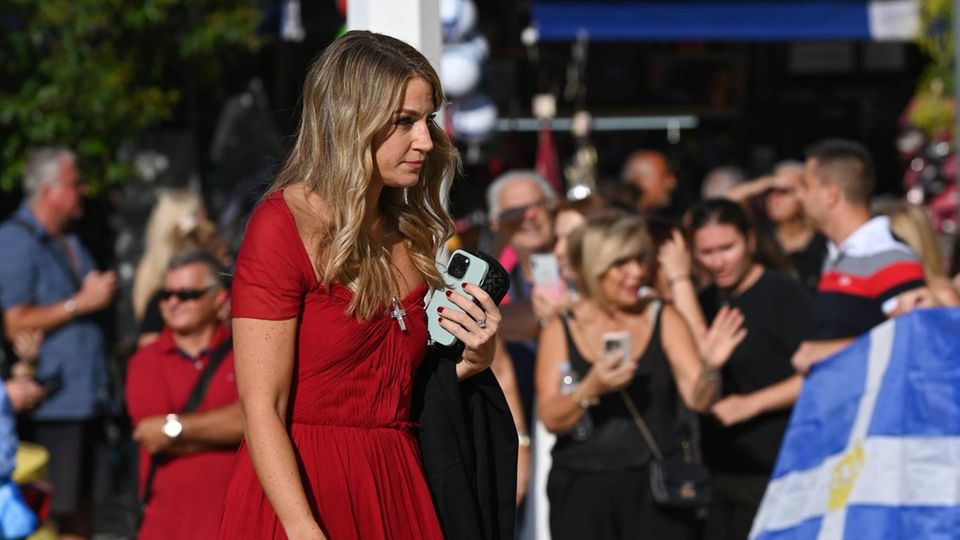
(458,266)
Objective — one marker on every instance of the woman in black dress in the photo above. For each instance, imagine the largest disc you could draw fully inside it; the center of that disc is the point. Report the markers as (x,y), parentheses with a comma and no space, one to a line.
(599,486)
(742,434)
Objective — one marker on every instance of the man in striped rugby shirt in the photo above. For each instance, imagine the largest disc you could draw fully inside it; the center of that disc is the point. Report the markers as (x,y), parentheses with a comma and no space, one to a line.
(866,264)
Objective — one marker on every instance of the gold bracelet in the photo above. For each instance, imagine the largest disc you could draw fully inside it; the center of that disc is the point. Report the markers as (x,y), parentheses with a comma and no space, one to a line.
(677,279)
(584,402)
(708,373)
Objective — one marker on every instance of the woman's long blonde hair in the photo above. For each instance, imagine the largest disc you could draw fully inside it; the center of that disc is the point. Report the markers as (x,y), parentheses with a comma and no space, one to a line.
(178,221)
(911,224)
(349,95)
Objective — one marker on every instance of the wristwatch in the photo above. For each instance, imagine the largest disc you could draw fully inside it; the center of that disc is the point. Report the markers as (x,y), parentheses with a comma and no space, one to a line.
(70,305)
(523,440)
(172,427)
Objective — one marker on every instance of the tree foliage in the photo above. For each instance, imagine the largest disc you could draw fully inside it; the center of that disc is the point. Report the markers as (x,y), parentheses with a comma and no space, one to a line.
(93,74)
(933,105)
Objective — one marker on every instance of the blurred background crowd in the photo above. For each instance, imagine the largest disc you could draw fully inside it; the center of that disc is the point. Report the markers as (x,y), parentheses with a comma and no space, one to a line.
(662,179)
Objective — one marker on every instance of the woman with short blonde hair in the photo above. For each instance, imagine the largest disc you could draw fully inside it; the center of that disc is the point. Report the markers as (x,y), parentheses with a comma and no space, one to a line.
(599,486)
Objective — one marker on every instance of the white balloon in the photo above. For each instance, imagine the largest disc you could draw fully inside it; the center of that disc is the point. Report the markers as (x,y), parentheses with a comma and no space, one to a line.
(476,45)
(459,71)
(473,118)
(449,11)
(457,18)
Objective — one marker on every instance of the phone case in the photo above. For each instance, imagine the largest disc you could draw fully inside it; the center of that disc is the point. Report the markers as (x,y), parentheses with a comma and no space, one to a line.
(476,271)
(546,270)
(616,341)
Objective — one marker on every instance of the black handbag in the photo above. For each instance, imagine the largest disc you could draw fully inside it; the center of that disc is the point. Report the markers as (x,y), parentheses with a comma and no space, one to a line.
(679,480)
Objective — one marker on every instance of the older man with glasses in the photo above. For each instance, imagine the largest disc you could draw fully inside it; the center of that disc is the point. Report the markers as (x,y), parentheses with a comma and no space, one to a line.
(185,456)
(49,284)
(520,208)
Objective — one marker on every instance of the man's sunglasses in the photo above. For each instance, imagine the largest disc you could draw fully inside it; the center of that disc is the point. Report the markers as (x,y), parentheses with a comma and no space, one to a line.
(518,213)
(781,190)
(184,294)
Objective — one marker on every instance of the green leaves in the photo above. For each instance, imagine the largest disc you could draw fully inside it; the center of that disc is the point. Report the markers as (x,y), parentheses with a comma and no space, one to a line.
(94,74)
(933,106)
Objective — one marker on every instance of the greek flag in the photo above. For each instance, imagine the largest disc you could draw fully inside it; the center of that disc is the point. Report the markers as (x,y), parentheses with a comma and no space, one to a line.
(873,447)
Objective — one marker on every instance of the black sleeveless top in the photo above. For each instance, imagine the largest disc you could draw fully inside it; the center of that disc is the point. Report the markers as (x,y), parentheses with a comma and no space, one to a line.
(615,443)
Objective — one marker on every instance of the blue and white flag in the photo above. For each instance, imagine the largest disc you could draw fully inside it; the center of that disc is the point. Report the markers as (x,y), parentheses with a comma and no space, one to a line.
(872,450)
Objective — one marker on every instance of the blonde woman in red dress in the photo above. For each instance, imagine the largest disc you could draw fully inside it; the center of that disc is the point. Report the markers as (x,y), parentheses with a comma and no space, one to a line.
(328,309)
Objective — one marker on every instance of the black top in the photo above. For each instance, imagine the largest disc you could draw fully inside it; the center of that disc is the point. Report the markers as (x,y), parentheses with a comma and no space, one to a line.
(808,261)
(615,443)
(777,316)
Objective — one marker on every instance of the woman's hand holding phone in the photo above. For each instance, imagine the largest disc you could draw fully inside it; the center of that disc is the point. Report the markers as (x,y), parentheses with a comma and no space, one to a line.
(476,327)
(611,373)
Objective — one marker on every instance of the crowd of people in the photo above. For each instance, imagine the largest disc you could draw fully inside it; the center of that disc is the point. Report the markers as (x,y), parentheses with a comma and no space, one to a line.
(636,381)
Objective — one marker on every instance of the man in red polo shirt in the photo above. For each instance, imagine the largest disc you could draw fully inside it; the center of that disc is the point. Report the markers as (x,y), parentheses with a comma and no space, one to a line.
(197,448)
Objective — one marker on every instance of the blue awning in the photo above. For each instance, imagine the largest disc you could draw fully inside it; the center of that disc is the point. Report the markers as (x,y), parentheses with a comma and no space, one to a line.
(734,20)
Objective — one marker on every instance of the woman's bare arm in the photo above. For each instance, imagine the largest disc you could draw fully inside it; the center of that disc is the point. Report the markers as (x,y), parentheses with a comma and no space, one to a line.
(264,359)
(560,412)
(696,375)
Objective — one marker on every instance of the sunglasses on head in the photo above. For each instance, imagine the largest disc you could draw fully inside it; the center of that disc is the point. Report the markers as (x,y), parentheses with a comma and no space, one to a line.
(623,261)
(518,213)
(184,294)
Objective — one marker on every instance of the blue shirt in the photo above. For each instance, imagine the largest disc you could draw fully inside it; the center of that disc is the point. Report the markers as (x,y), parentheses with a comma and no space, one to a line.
(8,436)
(35,269)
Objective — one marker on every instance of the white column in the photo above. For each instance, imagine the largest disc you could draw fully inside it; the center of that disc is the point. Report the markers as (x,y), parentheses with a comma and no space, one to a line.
(416,22)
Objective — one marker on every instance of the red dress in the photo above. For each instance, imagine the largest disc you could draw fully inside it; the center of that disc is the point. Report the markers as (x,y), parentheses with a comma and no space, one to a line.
(350,400)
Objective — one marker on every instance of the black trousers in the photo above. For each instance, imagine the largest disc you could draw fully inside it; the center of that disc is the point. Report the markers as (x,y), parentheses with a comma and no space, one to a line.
(612,506)
(79,461)
(736,498)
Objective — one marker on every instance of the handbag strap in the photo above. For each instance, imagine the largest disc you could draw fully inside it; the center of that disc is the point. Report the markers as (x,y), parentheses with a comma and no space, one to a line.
(193,401)
(641,425)
(200,388)
(632,407)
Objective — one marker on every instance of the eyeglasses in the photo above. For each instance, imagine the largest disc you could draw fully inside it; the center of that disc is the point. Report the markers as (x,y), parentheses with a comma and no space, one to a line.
(518,213)
(184,294)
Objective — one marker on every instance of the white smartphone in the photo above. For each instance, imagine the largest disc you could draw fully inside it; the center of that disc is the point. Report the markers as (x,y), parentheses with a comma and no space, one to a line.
(546,271)
(616,342)
(463,268)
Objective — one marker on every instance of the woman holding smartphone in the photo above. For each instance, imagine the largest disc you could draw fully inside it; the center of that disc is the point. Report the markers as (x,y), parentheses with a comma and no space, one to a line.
(742,434)
(328,313)
(599,486)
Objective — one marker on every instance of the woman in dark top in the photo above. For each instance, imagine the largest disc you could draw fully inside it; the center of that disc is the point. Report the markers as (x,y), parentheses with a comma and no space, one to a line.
(790,229)
(599,486)
(742,436)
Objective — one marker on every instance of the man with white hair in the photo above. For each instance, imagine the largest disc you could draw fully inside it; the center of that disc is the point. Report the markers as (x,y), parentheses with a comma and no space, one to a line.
(520,204)
(48,282)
